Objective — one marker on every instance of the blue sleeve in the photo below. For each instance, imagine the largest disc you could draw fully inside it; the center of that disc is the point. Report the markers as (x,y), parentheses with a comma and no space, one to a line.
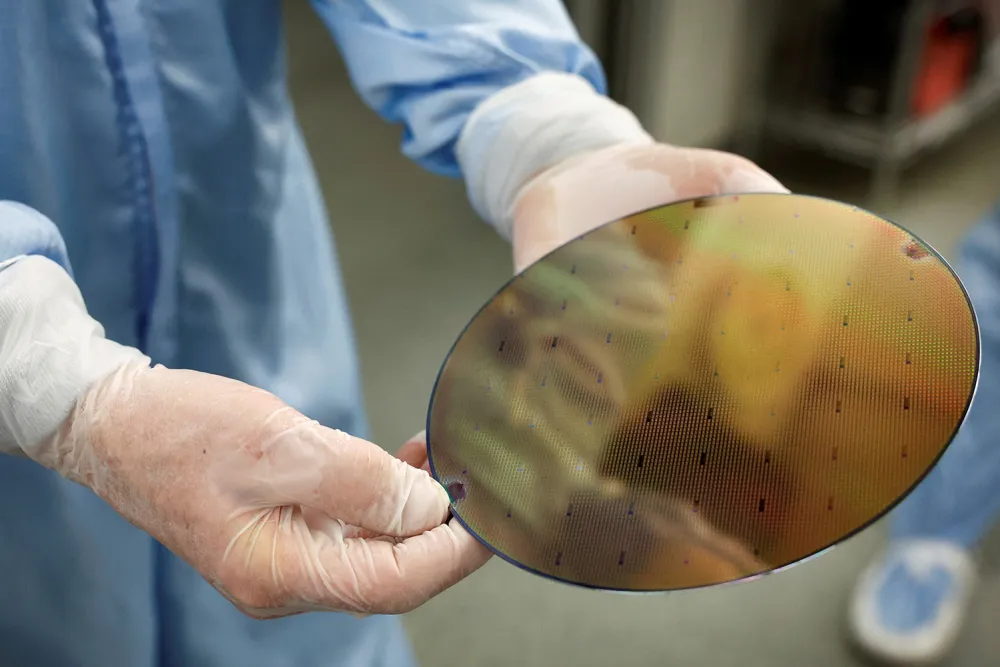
(428,63)
(25,231)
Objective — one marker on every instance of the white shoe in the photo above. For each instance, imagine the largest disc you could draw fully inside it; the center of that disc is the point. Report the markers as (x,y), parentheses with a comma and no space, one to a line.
(909,606)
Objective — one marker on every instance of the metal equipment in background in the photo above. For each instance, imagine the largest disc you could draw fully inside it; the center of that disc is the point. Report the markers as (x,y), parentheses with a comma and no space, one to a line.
(872,82)
(880,82)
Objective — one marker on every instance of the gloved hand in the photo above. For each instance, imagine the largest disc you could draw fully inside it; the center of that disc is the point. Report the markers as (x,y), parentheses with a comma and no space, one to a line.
(279,513)
(595,187)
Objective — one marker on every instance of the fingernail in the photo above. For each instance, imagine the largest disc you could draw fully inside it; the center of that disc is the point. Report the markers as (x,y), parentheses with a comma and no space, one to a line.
(427,504)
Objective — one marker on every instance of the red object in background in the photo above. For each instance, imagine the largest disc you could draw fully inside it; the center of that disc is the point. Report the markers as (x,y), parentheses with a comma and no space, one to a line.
(947,64)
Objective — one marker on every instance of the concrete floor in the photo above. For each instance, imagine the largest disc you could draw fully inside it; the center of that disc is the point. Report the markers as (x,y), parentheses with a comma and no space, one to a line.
(418,264)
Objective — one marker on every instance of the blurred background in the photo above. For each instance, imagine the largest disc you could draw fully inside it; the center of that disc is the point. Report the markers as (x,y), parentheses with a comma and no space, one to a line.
(889,104)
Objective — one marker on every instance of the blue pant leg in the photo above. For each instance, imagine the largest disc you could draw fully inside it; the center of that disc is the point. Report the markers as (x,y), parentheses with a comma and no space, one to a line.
(960,499)
(76,580)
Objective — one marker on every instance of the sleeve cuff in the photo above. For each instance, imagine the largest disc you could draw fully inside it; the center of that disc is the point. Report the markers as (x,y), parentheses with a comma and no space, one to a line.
(529,127)
(51,352)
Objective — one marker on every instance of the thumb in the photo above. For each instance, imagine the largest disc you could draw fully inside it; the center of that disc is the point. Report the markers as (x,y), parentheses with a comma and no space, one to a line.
(345,477)
(381,493)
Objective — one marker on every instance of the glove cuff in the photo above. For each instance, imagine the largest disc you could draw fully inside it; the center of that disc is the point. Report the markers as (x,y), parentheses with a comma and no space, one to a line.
(529,127)
(51,352)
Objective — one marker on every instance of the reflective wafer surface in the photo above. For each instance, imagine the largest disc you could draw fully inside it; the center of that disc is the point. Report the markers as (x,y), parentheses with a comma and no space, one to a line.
(703,392)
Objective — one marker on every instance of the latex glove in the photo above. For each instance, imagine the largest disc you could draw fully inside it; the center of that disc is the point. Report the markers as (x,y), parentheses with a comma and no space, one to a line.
(599,186)
(279,513)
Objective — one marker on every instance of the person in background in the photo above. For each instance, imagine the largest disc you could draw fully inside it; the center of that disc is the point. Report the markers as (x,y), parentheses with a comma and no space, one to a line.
(179,394)
(909,605)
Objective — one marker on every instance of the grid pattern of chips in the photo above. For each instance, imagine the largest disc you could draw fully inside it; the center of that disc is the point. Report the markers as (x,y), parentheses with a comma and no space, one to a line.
(703,392)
